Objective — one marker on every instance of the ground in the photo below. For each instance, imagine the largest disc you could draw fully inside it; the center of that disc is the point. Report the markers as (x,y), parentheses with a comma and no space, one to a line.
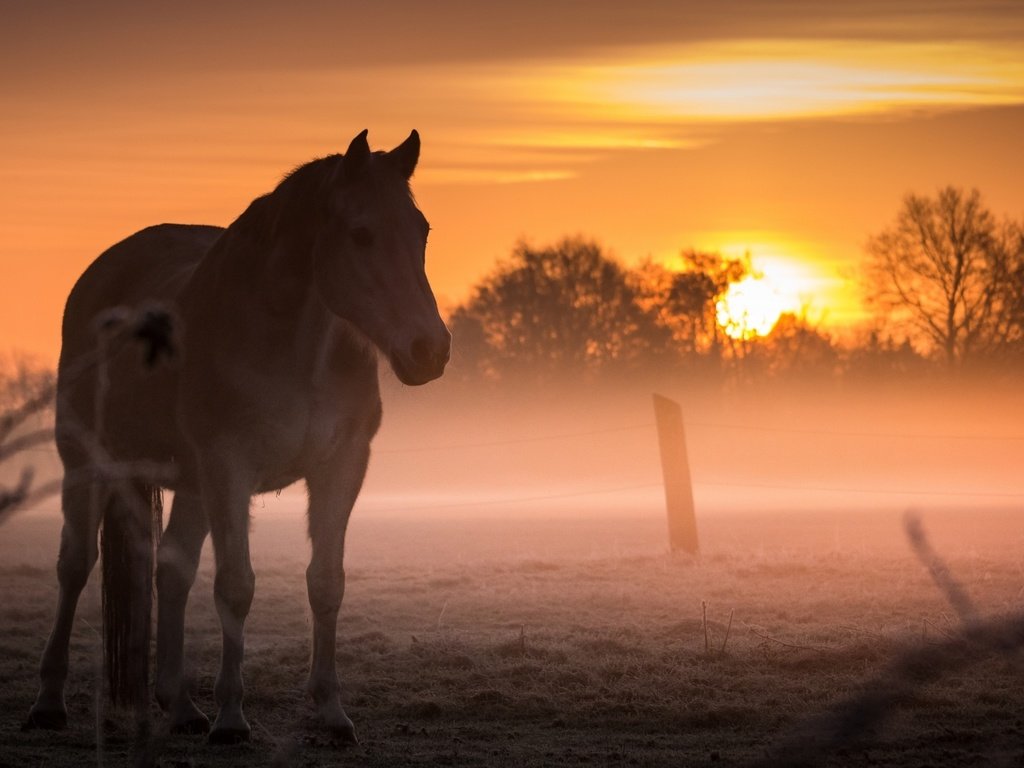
(569,639)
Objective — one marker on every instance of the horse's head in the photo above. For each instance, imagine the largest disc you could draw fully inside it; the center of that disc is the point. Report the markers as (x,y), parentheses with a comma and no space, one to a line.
(370,258)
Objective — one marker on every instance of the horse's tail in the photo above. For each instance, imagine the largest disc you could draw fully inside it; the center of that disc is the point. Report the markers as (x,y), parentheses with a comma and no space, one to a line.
(127,544)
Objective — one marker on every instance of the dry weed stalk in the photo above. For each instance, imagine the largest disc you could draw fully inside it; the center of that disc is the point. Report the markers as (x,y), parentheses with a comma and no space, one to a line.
(728,629)
(29,392)
(710,652)
(848,722)
(937,568)
(795,646)
(704,622)
(153,329)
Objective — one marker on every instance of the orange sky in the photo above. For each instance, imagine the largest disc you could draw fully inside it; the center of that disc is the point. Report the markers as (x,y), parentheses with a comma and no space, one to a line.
(792,130)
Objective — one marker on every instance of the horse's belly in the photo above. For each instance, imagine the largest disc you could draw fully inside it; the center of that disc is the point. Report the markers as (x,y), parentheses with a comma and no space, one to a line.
(294,458)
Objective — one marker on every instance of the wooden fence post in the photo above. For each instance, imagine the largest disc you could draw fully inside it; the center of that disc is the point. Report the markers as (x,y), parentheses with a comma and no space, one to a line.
(682,519)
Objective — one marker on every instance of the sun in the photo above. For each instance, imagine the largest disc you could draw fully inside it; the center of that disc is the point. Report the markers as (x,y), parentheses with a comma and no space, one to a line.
(751,307)
(784,277)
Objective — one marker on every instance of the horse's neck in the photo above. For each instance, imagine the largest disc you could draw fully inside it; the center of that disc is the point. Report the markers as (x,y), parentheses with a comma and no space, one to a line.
(255,285)
(254,296)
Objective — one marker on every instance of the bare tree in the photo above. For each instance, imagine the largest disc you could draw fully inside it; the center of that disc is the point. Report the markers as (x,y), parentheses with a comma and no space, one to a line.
(26,390)
(1011,318)
(942,270)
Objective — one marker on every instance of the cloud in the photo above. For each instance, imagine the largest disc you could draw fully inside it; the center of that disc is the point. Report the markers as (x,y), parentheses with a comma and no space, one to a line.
(757,80)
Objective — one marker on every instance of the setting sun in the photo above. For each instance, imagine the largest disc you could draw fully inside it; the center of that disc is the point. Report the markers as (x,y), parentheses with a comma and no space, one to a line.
(784,277)
(751,307)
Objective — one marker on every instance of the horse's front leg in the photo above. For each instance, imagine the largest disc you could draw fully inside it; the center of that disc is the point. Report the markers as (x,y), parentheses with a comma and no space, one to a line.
(333,488)
(226,492)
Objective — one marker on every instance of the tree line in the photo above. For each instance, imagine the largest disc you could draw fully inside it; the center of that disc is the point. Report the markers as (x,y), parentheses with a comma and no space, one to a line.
(944,283)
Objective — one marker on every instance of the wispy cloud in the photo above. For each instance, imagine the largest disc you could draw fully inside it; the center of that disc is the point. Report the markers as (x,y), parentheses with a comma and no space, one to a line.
(485,175)
(657,98)
(772,80)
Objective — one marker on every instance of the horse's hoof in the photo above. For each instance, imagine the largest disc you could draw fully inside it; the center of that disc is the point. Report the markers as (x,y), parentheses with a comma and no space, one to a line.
(230,735)
(344,735)
(56,720)
(337,724)
(194,726)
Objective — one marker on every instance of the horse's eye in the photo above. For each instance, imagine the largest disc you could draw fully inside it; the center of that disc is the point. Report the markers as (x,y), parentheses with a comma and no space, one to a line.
(362,237)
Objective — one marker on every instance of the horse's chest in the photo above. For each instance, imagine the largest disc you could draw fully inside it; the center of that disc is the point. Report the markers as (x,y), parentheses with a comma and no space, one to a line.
(320,428)
(308,430)
(328,425)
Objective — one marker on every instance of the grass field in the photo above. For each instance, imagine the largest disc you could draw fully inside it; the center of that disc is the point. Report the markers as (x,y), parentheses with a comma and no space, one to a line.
(573,639)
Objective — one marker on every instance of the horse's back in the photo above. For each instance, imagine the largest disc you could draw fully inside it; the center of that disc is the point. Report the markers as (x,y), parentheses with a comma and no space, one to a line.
(151,265)
(147,268)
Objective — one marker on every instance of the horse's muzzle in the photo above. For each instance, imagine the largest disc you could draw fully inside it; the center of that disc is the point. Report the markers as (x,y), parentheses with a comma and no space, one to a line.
(423,360)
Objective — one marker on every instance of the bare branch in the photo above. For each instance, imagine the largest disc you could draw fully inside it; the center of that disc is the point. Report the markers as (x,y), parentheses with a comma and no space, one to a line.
(25,442)
(11,500)
(35,403)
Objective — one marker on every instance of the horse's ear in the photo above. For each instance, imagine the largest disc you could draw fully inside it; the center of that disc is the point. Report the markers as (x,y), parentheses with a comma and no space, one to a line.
(357,154)
(407,154)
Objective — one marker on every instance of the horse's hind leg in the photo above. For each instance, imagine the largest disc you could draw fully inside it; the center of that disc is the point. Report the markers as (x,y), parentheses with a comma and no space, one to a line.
(78,554)
(177,561)
(333,489)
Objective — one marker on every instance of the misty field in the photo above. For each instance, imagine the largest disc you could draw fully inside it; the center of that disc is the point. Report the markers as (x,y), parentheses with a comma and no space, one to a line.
(564,640)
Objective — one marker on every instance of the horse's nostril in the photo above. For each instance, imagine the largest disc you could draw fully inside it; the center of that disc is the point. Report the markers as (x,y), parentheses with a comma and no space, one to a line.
(426,354)
(422,351)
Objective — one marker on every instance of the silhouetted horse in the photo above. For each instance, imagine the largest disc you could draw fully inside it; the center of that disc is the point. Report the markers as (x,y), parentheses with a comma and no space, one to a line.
(277,382)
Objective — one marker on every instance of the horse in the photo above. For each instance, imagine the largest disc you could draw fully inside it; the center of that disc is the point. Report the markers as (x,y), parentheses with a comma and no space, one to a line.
(280,317)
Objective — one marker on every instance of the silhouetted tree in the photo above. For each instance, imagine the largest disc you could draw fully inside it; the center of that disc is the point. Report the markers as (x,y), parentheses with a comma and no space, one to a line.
(1011,235)
(944,270)
(564,309)
(880,358)
(794,349)
(685,300)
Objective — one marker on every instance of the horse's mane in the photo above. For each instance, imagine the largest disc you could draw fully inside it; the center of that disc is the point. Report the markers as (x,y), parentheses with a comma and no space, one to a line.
(296,195)
(296,201)
(309,172)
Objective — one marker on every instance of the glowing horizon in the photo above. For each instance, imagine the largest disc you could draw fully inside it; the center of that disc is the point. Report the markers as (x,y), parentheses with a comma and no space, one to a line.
(793,136)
